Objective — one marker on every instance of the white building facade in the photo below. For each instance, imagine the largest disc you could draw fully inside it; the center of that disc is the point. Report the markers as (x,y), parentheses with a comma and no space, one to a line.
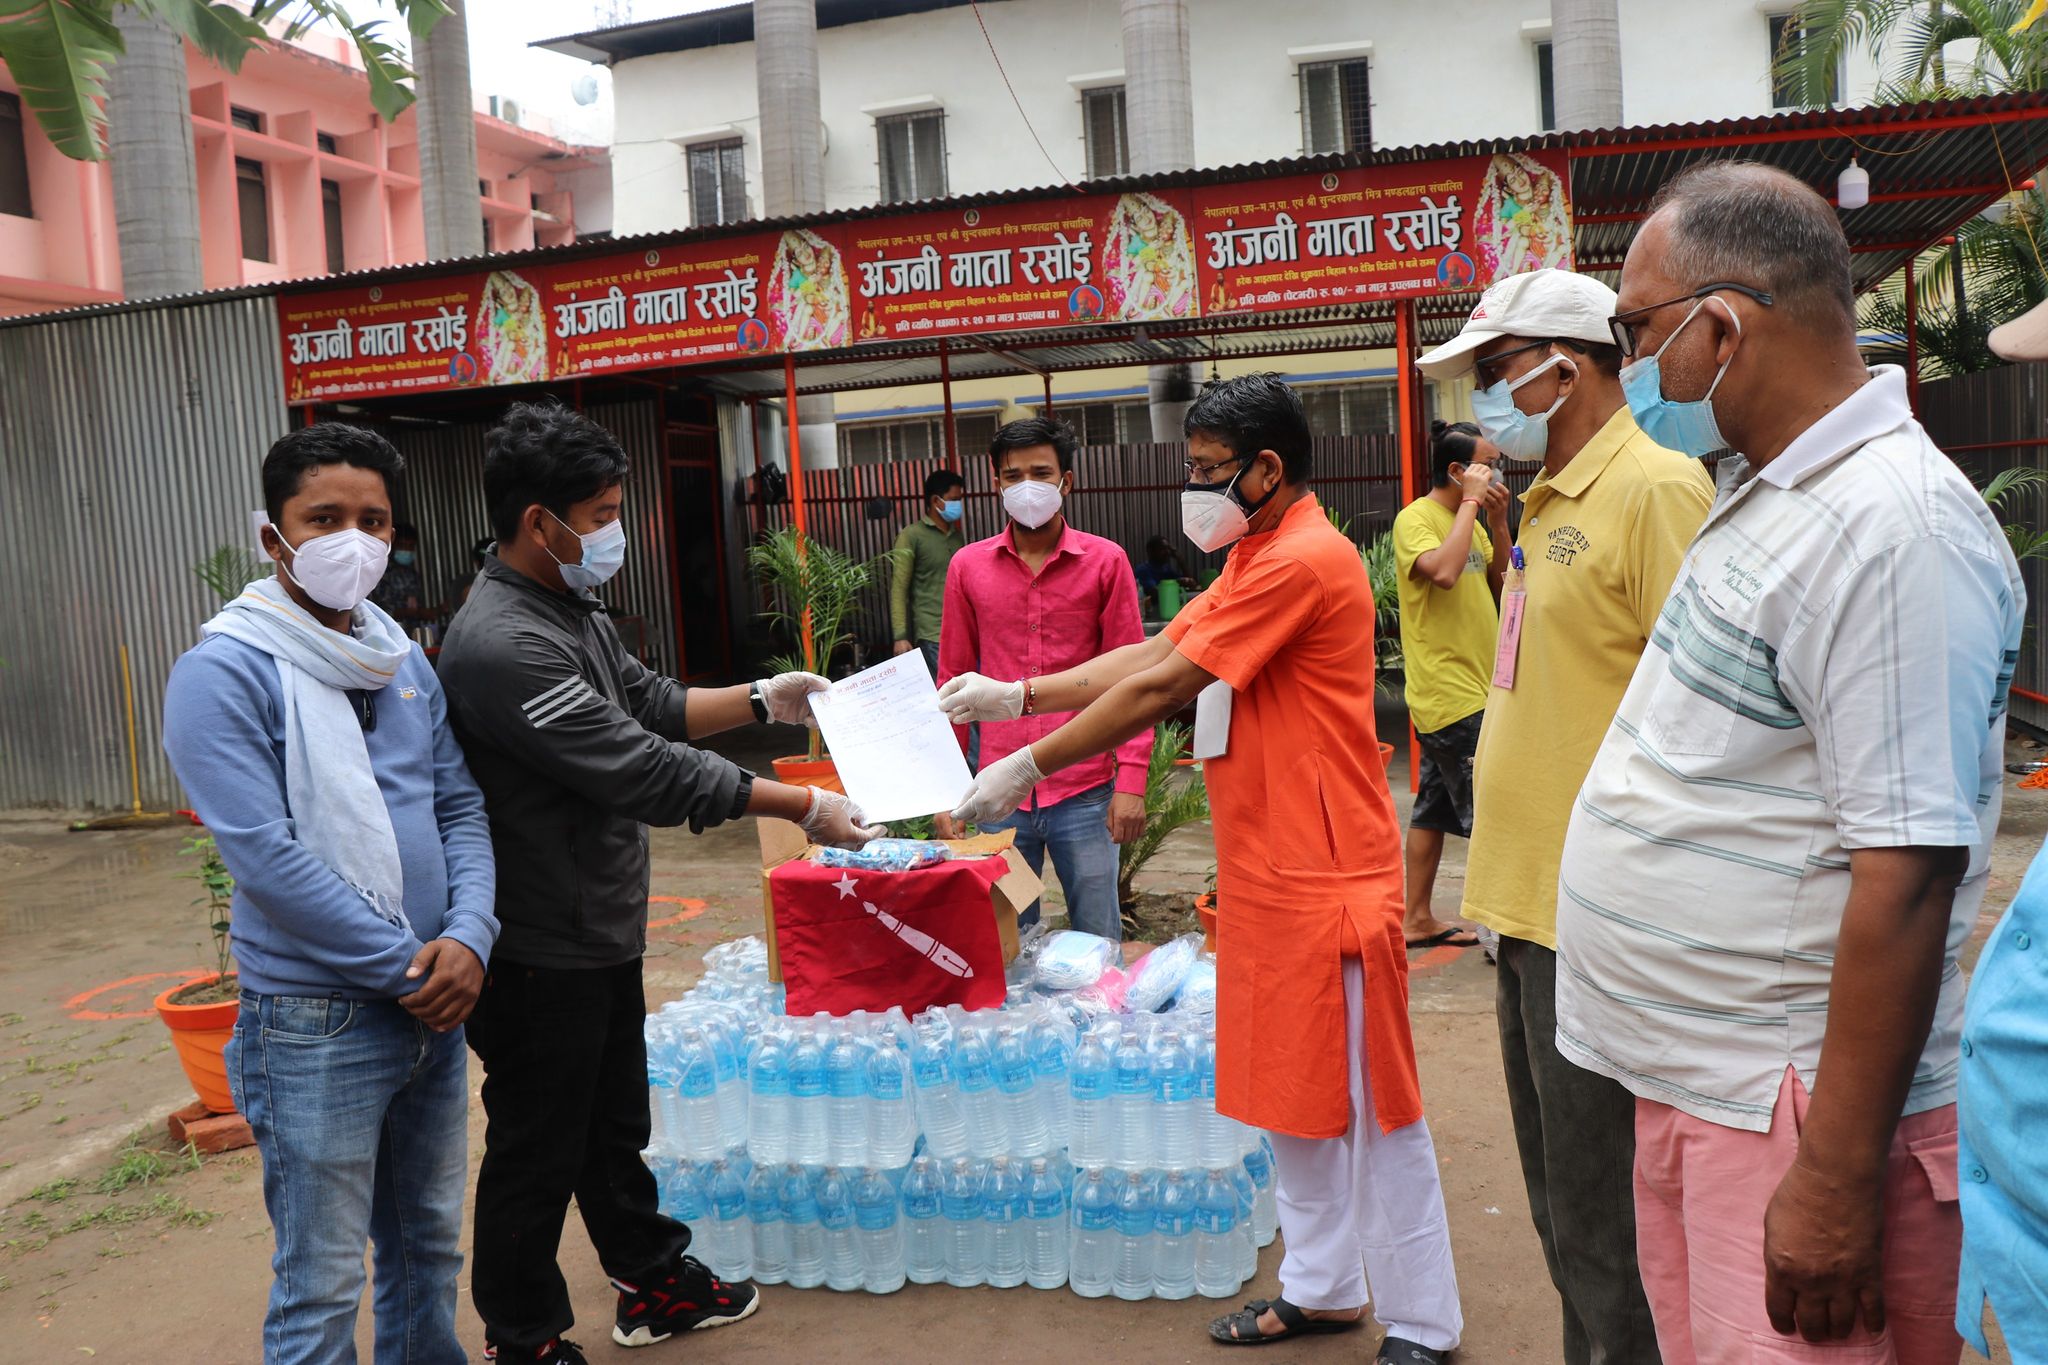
(915,105)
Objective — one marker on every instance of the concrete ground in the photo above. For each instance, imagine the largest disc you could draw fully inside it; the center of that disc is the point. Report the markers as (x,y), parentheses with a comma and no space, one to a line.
(114,1248)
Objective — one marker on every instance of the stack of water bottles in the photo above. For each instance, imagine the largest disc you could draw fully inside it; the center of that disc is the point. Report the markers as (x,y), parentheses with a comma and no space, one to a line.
(1053,1141)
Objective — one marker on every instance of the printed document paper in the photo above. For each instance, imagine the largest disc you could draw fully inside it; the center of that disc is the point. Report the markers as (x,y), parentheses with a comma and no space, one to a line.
(895,749)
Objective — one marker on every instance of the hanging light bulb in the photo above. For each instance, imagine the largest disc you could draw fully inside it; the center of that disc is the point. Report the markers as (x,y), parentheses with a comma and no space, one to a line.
(1852,187)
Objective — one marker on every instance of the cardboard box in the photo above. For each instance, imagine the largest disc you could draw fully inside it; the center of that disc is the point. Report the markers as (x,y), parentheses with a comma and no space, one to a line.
(781,840)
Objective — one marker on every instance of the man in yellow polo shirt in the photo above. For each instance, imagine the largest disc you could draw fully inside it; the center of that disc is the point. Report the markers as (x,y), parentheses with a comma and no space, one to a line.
(1604,529)
(1449,570)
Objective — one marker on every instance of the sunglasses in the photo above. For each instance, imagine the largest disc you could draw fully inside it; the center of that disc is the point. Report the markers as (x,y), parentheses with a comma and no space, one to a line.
(1626,326)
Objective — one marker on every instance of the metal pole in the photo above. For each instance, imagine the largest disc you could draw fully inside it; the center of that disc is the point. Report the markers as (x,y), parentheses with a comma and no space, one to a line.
(796,495)
(946,397)
(1048,393)
(1912,336)
(1404,368)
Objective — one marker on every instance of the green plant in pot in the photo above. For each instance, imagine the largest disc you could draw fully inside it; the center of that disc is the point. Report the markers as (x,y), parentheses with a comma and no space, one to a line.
(201,1012)
(1174,797)
(815,584)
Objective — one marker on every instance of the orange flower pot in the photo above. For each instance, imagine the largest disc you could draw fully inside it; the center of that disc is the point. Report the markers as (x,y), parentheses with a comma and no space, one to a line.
(1205,910)
(1386,755)
(200,1033)
(804,771)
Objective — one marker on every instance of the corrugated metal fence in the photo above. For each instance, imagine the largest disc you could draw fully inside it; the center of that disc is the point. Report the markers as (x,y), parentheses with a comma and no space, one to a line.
(130,447)
(1127,493)
(441,494)
(1994,421)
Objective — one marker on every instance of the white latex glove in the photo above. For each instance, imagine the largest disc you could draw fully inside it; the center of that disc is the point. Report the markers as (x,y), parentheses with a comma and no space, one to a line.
(834,820)
(971,697)
(999,788)
(785,697)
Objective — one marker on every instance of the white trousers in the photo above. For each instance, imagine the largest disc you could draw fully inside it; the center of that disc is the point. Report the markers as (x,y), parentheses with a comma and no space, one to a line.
(1363,1214)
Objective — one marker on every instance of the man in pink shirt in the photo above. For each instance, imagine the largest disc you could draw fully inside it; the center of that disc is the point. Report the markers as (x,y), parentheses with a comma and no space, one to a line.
(1039,598)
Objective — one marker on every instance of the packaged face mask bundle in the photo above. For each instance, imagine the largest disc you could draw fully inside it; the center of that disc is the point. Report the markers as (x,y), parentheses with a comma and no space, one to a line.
(887,855)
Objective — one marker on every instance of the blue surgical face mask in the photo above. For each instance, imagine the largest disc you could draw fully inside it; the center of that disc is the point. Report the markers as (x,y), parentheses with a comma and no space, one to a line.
(403,558)
(604,554)
(1687,427)
(1519,435)
(952,510)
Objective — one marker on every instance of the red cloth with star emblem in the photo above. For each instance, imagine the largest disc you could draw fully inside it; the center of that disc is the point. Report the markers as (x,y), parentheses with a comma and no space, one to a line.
(853,940)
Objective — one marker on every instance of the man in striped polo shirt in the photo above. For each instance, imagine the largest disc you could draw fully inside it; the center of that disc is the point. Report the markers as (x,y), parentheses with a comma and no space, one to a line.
(1783,840)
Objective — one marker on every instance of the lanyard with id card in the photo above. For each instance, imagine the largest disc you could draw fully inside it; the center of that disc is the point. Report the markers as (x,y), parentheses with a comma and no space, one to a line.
(1514,597)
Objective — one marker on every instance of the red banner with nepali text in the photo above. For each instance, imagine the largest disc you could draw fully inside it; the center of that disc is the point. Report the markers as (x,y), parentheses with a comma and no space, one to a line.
(1380,232)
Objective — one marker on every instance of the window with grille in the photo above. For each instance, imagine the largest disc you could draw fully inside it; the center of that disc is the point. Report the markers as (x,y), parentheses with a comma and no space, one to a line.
(913,155)
(330,222)
(920,438)
(1546,89)
(1336,107)
(247,119)
(1103,128)
(326,142)
(252,202)
(1353,409)
(1789,89)
(718,182)
(14,191)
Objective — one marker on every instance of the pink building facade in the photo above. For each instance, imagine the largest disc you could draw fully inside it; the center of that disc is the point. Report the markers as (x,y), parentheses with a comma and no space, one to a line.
(297,175)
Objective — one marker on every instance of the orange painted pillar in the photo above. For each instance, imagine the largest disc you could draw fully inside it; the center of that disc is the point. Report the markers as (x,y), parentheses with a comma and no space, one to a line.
(1404,368)
(796,493)
(946,398)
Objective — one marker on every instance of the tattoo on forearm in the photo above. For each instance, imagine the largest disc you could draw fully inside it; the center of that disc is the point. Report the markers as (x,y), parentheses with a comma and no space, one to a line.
(1081,683)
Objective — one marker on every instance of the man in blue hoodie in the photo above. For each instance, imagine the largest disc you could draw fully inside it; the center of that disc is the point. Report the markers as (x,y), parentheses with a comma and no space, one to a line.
(313,741)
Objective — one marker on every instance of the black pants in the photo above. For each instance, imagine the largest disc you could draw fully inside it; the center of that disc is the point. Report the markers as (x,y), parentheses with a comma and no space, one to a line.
(1576,1131)
(565,1096)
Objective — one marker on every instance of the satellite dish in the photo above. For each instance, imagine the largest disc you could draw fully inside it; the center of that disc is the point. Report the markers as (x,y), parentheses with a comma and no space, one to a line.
(584,88)
(508,110)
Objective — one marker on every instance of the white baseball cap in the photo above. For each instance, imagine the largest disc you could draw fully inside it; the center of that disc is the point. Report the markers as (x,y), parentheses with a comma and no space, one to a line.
(1539,305)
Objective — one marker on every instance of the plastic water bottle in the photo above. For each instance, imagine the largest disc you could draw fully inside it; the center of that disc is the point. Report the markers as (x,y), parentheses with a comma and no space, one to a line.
(730,1244)
(1266,1203)
(938,1095)
(1089,1080)
(846,1076)
(806,1235)
(1050,1056)
(987,1134)
(728,1050)
(1045,1242)
(1218,1273)
(966,1258)
(1215,1135)
(807,1086)
(1004,1209)
(892,1120)
(1137,1214)
(768,1099)
(1247,1241)
(1091,1259)
(880,1232)
(686,1198)
(771,1234)
(703,1131)
(1131,1101)
(1173,1266)
(843,1270)
(923,1223)
(664,1115)
(1016,1075)
(1174,1105)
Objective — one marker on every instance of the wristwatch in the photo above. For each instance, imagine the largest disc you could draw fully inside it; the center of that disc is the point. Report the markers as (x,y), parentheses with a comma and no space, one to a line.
(758,702)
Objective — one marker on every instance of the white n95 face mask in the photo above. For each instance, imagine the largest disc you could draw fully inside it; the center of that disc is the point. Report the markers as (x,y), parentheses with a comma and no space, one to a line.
(337,570)
(604,554)
(1211,518)
(1032,503)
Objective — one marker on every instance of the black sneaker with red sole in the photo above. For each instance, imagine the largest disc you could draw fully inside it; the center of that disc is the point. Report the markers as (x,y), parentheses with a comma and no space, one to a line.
(688,1300)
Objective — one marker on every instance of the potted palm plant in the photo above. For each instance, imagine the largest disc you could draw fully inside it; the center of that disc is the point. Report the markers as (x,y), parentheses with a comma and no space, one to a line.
(814,585)
(201,1013)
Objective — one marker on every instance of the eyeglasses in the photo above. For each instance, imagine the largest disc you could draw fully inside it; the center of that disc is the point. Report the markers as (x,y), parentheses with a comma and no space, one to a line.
(1207,470)
(1625,326)
(1485,371)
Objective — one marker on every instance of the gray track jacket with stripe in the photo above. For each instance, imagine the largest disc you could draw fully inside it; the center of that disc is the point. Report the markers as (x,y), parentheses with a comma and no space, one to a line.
(578,747)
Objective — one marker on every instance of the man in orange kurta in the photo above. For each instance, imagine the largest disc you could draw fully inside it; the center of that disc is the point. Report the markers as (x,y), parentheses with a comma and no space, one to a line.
(1312,1039)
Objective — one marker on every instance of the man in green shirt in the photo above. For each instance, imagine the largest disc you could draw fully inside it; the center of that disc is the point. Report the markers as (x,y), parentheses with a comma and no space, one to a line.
(917,589)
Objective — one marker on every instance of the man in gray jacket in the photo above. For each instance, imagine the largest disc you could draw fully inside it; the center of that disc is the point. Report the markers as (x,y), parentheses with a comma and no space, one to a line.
(578,748)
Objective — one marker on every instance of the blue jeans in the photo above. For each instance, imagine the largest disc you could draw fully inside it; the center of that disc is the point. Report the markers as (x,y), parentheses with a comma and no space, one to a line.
(1076,832)
(361,1116)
